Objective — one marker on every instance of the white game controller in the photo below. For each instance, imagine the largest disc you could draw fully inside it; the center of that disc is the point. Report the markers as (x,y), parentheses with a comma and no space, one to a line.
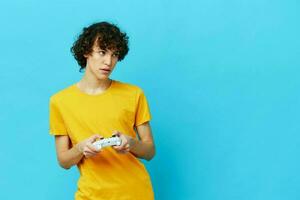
(112,141)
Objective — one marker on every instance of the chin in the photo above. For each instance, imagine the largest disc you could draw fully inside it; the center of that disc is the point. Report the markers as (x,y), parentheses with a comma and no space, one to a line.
(102,77)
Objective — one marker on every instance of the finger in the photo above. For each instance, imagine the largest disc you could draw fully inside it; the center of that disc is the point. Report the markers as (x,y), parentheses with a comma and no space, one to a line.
(88,154)
(89,149)
(118,148)
(123,151)
(92,148)
(122,146)
(126,148)
(95,137)
(116,133)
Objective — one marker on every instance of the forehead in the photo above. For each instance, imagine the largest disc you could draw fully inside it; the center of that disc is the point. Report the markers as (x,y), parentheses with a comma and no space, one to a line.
(99,45)
(113,51)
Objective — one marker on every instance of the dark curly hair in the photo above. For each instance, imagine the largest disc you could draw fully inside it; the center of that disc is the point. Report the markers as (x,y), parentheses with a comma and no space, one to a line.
(107,35)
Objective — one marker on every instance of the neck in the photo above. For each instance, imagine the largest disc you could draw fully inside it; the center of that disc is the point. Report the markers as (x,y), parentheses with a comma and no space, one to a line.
(94,83)
(91,84)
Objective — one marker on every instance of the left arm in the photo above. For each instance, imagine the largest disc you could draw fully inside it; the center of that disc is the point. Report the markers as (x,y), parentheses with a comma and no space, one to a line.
(142,148)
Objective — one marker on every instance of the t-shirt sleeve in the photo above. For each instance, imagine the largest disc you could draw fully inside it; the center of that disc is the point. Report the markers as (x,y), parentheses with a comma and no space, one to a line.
(142,113)
(57,126)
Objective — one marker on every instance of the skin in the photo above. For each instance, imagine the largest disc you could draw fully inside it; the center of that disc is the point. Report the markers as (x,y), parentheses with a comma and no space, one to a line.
(95,81)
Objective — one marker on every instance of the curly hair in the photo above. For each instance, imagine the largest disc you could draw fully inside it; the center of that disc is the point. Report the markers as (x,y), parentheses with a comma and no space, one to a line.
(108,37)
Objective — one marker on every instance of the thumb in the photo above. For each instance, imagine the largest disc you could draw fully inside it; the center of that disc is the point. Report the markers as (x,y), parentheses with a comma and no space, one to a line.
(95,137)
(116,133)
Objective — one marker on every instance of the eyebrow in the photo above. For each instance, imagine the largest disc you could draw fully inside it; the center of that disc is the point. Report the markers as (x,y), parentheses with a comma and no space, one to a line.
(113,52)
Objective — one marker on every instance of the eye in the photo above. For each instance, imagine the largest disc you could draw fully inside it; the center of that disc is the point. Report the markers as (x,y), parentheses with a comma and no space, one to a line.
(116,55)
(101,52)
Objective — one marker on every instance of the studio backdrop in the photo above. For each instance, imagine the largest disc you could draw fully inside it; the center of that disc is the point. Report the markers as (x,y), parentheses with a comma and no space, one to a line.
(221,77)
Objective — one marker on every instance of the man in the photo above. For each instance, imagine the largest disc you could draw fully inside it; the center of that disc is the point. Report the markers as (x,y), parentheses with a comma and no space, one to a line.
(98,107)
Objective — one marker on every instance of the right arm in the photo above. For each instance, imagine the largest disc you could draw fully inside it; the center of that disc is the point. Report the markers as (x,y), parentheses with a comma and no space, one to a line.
(68,156)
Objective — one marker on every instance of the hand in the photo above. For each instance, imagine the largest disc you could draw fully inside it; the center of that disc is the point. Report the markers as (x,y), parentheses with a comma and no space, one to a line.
(126,142)
(87,148)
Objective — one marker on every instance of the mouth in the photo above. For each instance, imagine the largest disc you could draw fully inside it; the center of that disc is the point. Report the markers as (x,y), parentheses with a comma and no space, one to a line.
(106,71)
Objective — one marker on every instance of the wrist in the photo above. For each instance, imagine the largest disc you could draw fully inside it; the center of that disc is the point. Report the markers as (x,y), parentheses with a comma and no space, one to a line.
(132,142)
(79,148)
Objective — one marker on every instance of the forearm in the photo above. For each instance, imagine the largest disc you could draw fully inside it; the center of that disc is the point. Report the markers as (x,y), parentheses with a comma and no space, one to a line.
(70,157)
(142,149)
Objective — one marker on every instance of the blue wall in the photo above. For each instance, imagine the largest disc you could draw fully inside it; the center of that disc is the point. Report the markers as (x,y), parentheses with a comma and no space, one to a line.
(221,77)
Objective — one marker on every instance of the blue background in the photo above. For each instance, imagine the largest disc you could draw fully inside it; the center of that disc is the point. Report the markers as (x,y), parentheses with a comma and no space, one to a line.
(221,77)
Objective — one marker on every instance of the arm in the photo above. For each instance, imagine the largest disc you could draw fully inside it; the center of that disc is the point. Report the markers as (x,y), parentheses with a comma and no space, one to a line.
(68,156)
(142,148)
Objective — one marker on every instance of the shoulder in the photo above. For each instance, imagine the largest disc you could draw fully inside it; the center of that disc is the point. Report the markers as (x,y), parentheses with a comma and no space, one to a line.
(128,87)
(62,94)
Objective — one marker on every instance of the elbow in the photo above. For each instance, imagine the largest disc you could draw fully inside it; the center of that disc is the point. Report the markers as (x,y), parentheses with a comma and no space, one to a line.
(149,158)
(64,165)
(151,155)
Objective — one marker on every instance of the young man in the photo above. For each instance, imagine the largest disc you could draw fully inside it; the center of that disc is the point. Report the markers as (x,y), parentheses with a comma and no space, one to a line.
(98,107)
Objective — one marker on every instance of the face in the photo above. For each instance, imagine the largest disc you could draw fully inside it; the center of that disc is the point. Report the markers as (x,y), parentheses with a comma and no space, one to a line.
(101,62)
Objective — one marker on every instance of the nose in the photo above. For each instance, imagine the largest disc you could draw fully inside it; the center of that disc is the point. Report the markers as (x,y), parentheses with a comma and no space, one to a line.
(107,59)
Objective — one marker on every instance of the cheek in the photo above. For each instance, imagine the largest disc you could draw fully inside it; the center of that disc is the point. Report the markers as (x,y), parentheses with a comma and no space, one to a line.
(115,62)
(92,63)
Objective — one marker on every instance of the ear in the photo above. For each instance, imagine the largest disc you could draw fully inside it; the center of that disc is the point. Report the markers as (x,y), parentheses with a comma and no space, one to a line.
(86,55)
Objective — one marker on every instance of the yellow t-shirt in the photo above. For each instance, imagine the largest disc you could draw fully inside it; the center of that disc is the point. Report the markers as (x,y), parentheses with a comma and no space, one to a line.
(108,175)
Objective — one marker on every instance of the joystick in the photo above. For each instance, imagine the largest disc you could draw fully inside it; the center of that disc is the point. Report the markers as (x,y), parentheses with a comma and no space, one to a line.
(112,141)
